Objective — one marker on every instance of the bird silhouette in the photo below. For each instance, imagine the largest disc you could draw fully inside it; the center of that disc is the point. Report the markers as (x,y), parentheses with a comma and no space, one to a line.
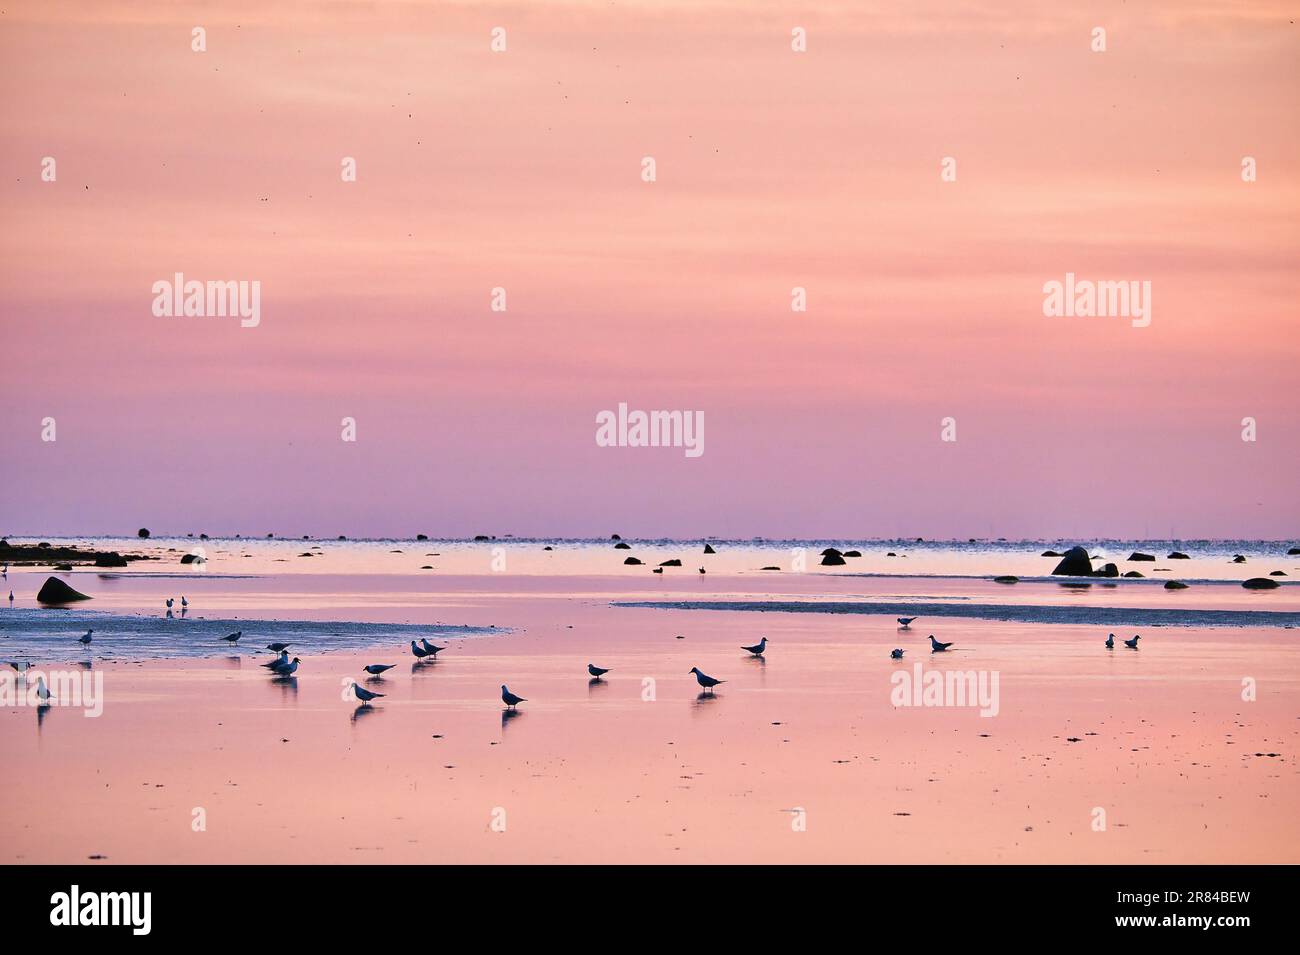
(1133,644)
(596,671)
(1110,642)
(364,695)
(936,646)
(509,699)
(758,648)
(375,669)
(704,680)
(905,622)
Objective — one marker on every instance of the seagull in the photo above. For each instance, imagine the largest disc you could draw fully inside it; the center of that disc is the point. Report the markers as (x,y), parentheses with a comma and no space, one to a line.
(1133,644)
(364,695)
(286,669)
(896,654)
(758,648)
(42,691)
(11,596)
(169,603)
(936,646)
(509,699)
(375,669)
(702,570)
(21,667)
(277,647)
(430,648)
(85,638)
(184,602)
(281,660)
(233,637)
(1110,642)
(705,680)
(596,671)
(905,622)
(419,653)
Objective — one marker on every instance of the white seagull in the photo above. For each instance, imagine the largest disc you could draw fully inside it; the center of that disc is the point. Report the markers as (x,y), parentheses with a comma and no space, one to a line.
(430,648)
(936,646)
(281,660)
(419,653)
(758,648)
(705,680)
(375,669)
(364,695)
(42,691)
(905,622)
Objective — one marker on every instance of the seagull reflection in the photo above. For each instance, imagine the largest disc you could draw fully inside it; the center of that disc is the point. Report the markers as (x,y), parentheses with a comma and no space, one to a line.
(40,715)
(508,715)
(705,697)
(363,710)
(594,682)
(287,683)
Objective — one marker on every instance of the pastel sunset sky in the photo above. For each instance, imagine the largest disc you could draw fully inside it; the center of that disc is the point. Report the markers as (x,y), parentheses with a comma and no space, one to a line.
(775,169)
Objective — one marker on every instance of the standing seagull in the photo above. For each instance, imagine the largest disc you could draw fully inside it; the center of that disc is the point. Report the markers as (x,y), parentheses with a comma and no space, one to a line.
(281,660)
(596,671)
(42,691)
(758,648)
(905,622)
(936,646)
(11,598)
(169,603)
(1110,642)
(705,680)
(1133,644)
(184,603)
(85,638)
(429,648)
(364,695)
(277,647)
(509,699)
(375,669)
(286,669)
(233,637)
(896,654)
(419,653)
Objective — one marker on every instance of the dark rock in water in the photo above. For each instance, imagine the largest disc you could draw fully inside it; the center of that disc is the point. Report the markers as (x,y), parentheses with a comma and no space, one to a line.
(1175,585)
(832,550)
(419,537)
(615,537)
(1238,559)
(891,554)
(657,570)
(4,545)
(342,537)
(1290,553)
(1110,570)
(1277,573)
(481,537)
(426,566)
(142,532)
(203,537)
(1007,579)
(671,563)
(1074,563)
(1260,583)
(1177,555)
(192,559)
(622,545)
(308,553)
(769,568)
(62,566)
(853,553)
(111,559)
(708,549)
(631,560)
(832,558)
(548,548)
(55,591)
(1051,553)
(1139,556)
(1134,573)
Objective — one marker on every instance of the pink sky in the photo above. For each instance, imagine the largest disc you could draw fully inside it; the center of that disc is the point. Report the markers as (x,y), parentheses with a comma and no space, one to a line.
(775,169)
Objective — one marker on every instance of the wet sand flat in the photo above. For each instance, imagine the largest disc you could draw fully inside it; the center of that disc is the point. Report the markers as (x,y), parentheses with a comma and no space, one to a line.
(433,772)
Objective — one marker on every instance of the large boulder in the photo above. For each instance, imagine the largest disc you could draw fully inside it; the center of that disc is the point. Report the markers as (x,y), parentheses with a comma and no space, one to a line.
(143,533)
(832,558)
(1110,570)
(1177,555)
(1175,585)
(1292,552)
(111,559)
(708,549)
(1075,563)
(622,545)
(631,561)
(1136,555)
(55,591)
(674,562)
(1260,583)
